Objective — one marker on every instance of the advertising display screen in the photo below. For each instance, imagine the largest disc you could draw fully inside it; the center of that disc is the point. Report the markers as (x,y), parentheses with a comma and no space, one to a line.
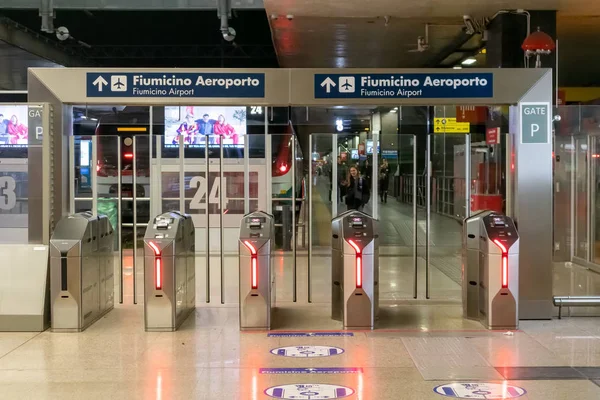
(199,124)
(13,126)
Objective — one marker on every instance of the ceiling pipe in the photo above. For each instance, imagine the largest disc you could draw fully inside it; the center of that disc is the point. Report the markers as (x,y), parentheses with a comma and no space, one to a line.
(224,13)
(47,14)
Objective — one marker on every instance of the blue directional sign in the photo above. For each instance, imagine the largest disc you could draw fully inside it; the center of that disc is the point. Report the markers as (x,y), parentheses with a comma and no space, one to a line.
(169,84)
(404,86)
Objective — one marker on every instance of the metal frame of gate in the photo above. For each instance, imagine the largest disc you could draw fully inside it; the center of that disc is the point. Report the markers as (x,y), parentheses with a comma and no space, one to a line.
(63,87)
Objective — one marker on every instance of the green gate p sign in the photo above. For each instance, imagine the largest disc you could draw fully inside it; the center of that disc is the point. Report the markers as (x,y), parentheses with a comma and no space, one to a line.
(534,122)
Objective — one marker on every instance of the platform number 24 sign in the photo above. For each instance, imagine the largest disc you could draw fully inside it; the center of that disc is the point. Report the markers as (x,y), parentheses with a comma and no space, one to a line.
(8,197)
(200,198)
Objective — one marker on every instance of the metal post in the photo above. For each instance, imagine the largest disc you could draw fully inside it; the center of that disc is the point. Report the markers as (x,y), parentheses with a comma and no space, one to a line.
(590,198)
(334,175)
(120,214)
(415,220)
(150,144)
(509,175)
(246,175)
(181,139)
(72,173)
(158,182)
(375,175)
(94,175)
(468,175)
(293,208)
(310,213)
(573,190)
(207,213)
(427,215)
(222,236)
(268,165)
(134,193)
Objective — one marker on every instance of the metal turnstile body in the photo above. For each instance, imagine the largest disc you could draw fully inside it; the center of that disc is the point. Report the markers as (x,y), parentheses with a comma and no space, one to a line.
(470,264)
(257,280)
(499,273)
(81,271)
(169,272)
(490,276)
(355,270)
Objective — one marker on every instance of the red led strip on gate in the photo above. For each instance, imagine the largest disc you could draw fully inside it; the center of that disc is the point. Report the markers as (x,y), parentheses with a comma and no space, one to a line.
(504,262)
(157,266)
(254,264)
(358,265)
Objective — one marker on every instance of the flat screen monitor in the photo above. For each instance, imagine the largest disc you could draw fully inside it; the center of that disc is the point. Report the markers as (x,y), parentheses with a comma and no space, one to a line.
(199,125)
(14,131)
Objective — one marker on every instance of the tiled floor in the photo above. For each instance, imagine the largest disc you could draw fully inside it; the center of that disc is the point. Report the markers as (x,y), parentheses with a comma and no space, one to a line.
(209,358)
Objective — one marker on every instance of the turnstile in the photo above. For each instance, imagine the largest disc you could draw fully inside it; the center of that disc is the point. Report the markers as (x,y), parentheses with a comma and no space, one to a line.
(257,280)
(470,264)
(497,294)
(81,271)
(169,272)
(355,270)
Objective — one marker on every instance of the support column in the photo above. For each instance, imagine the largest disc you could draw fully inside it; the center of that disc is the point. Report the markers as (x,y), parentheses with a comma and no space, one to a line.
(531,122)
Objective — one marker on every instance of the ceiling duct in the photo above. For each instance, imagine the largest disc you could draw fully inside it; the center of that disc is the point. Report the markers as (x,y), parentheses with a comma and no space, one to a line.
(224,13)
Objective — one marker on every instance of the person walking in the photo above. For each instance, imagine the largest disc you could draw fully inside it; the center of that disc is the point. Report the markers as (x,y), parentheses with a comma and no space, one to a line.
(342,177)
(357,191)
(384,180)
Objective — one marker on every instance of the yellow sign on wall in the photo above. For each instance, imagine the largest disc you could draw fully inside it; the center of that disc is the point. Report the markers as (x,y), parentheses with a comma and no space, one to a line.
(449,125)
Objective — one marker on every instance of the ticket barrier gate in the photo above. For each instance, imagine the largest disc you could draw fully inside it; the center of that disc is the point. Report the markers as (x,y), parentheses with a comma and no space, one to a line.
(169,272)
(490,280)
(355,270)
(257,279)
(81,271)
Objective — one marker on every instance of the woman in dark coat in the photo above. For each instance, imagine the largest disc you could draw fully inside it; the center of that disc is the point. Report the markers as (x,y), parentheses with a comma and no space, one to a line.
(384,180)
(357,193)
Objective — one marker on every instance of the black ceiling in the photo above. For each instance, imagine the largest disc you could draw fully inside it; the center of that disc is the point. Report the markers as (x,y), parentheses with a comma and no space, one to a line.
(161,39)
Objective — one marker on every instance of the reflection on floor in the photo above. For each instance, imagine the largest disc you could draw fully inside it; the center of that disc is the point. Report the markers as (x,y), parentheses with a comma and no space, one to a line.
(420,347)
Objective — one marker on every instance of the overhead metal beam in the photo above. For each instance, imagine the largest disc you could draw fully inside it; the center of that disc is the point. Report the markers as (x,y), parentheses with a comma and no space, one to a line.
(121,5)
(19,36)
(454,46)
(178,51)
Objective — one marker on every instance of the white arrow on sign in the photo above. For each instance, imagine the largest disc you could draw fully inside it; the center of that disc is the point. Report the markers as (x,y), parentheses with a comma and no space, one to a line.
(100,82)
(328,84)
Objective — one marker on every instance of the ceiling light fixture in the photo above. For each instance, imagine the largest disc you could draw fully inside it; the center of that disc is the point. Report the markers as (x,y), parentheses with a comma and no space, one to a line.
(469,61)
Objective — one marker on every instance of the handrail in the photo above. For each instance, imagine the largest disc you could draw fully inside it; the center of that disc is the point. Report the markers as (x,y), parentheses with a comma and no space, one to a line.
(575,301)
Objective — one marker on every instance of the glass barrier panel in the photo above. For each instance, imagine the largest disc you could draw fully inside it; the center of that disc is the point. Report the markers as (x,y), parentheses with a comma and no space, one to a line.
(321,215)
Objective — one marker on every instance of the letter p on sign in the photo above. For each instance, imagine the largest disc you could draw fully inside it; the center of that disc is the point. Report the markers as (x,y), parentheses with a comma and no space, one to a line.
(535,128)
